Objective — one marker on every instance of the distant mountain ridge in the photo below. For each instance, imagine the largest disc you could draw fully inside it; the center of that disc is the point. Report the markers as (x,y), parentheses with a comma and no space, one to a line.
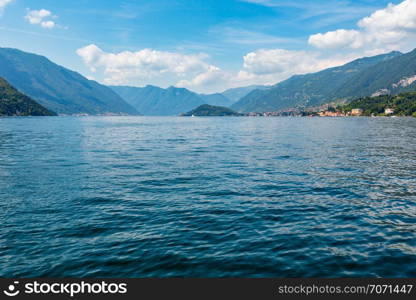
(14,103)
(57,88)
(155,101)
(236,94)
(361,77)
(216,99)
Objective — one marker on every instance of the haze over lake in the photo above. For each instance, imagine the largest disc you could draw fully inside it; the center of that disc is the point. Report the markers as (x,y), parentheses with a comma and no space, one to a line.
(207,197)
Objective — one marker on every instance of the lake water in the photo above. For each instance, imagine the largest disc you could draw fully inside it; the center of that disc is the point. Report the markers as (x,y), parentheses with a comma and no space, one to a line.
(207,197)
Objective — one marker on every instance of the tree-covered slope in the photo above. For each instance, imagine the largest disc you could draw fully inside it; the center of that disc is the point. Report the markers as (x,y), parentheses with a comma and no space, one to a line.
(310,89)
(207,110)
(58,88)
(403,104)
(14,103)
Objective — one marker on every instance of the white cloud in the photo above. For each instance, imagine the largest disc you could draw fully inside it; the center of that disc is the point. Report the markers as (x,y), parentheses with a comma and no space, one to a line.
(40,17)
(47,24)
(270,61)
(36,16)
(396,17)
(393,27)
(336,39)
(128,67)
(269,66)
(211,78)
(3,4)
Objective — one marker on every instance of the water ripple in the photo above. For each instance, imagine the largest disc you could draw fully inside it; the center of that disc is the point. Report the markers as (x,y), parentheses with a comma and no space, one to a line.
(207,197)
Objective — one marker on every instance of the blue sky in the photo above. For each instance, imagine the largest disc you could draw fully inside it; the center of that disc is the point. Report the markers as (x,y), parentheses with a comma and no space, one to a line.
(206,46)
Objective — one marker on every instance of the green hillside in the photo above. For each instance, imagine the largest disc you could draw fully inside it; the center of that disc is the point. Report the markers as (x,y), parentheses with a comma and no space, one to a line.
(14,103)
(207,110)
(403,104)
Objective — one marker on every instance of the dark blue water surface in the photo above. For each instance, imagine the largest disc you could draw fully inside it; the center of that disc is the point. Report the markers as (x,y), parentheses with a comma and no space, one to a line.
(207,197)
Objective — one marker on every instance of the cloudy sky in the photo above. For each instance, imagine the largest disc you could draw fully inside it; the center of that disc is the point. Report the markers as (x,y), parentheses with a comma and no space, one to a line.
(205,45)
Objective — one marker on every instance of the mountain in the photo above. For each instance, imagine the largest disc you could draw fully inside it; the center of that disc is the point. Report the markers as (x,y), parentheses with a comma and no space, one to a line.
(236,94)
(387,77)
(14,103)
(207,110)
(315,88)
(403,104)
(216,99)
(152,100)
(57,88)
(155,101)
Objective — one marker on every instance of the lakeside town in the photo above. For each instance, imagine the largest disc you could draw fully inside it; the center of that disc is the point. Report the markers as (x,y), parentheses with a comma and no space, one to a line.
(329,111)
(403,104)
